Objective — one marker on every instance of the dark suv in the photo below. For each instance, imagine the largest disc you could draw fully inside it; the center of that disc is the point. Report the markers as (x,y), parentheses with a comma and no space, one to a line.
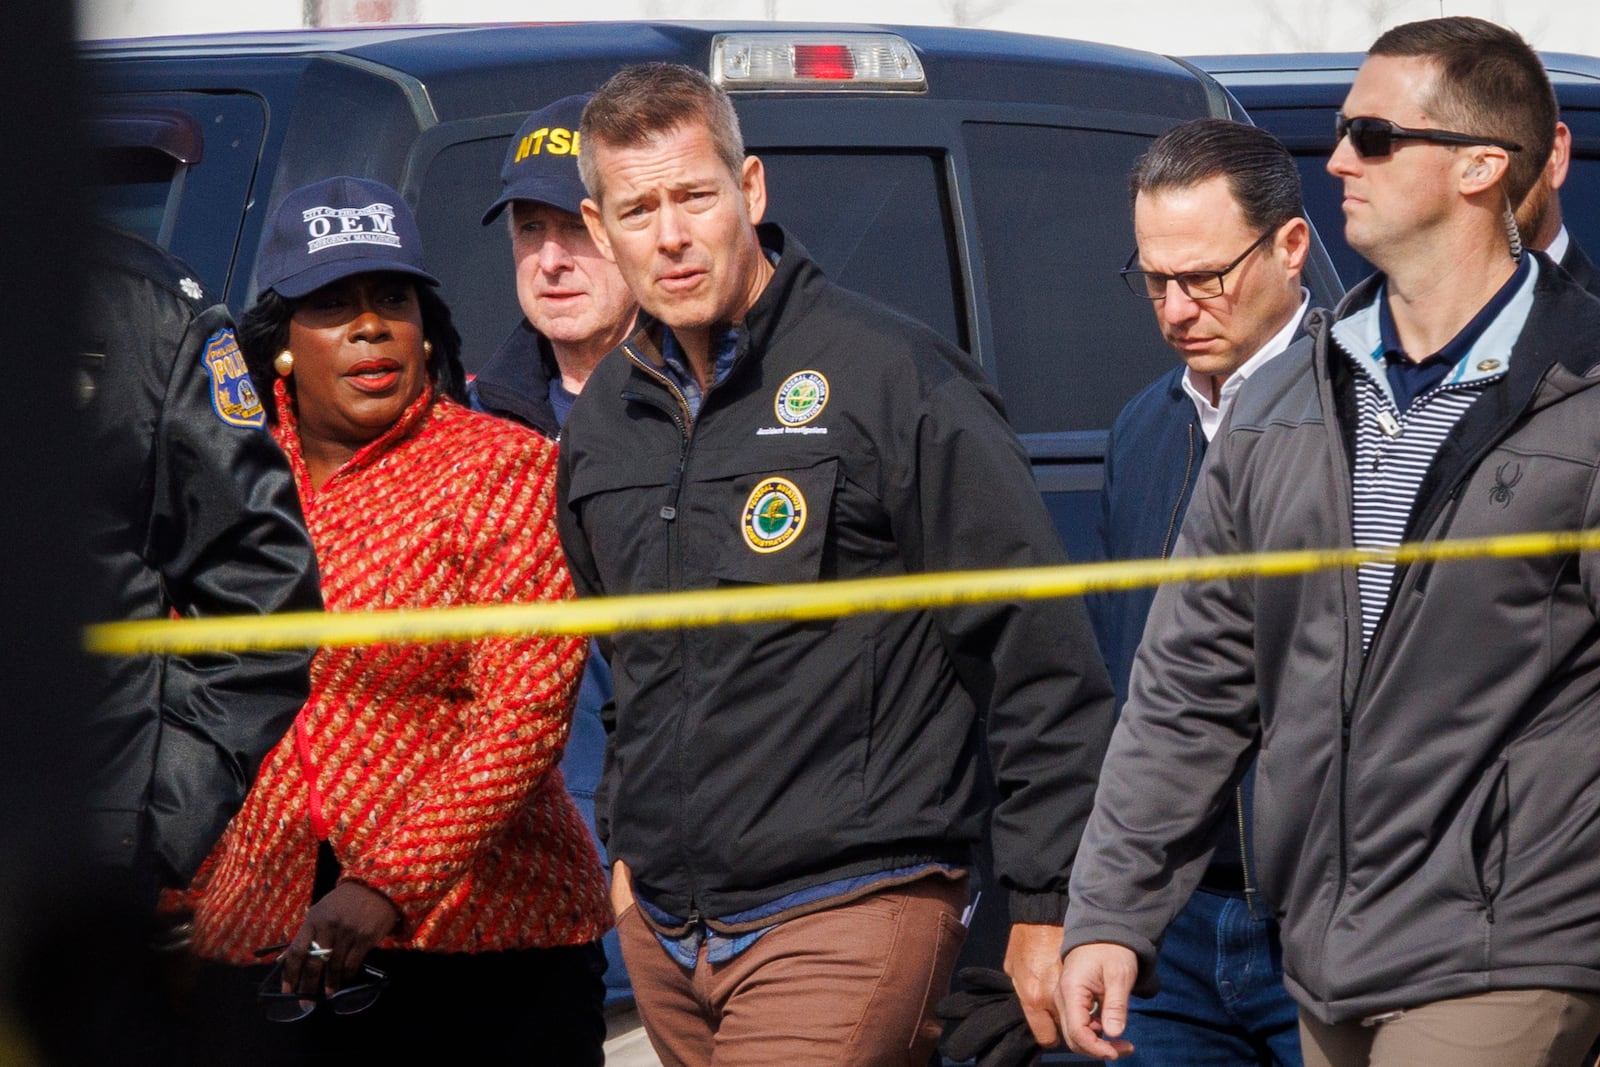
(1297,96)
(974,180)
(982,189)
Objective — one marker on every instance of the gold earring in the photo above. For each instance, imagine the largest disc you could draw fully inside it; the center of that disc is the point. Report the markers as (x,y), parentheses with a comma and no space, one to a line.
(427,347)
(283,363)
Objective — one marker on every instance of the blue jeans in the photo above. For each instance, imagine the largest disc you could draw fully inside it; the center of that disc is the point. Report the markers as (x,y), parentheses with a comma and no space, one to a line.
(1222,1001)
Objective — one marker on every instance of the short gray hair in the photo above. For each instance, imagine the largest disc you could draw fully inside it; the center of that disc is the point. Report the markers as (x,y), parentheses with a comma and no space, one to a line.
(642,103)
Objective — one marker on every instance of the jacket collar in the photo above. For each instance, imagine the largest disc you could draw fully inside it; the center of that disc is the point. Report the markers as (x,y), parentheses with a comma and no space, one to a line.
(793,275)
(1548,363)
(516,380)
(1582,270)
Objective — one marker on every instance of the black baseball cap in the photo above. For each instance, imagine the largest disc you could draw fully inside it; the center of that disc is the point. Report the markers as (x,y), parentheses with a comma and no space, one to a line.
(335,228)
(542,162)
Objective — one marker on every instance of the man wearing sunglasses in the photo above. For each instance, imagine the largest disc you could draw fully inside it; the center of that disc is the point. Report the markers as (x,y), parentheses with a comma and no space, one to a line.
(1426,811)
(1203,191)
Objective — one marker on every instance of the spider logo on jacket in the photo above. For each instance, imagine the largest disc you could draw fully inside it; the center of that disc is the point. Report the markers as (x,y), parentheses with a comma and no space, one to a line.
(1501,492)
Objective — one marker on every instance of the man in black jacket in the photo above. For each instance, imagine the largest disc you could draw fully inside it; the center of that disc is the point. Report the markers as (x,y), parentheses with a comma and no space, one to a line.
(193,511)
(189,508)
(790,806)
(575,305)
(1539,217)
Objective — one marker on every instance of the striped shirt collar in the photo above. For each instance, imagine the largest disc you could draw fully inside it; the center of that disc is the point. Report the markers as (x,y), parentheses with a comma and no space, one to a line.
(1486,355)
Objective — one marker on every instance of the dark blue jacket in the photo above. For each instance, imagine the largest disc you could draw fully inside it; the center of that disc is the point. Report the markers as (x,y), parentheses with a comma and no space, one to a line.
(1152,463)
(1577,264)
(515,383)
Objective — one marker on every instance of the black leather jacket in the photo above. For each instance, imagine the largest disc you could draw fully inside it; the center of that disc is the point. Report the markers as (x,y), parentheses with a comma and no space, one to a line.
(191,508)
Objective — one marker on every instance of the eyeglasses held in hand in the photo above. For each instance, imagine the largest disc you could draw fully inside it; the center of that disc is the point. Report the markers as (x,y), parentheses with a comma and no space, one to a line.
(1374,138)
(281,1007)
(1196,284)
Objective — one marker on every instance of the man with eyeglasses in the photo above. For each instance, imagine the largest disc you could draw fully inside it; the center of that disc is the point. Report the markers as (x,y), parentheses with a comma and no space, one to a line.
(1204,190)
(1427,823)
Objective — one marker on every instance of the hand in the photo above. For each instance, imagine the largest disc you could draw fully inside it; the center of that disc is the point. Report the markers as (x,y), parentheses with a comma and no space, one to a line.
(1033,963)
(349,921)
(621,889)
(1093,998)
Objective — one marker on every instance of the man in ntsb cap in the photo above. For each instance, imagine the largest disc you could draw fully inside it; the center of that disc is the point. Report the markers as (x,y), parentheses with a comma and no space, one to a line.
(575,305)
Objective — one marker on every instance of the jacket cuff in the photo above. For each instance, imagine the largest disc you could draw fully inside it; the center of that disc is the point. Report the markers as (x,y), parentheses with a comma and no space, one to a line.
(1076,933)
(1044,909)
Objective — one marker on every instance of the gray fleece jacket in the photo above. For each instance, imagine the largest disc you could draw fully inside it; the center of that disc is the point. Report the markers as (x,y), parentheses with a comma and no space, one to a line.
(1427,816)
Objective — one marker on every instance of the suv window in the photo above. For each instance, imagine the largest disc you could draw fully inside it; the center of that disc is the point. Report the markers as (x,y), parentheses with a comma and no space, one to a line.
(471,261)
(1054,232)
(878,222)
(148,151)
(133,189)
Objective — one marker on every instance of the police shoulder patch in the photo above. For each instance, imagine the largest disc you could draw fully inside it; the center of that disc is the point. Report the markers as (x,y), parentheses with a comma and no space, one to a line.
(801,398)
(774,515)
(233,394)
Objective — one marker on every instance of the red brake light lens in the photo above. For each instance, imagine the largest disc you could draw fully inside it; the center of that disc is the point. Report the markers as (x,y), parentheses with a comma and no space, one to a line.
(824,62)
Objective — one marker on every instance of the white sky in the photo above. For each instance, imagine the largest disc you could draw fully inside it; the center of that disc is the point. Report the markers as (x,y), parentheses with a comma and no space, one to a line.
(1168,26)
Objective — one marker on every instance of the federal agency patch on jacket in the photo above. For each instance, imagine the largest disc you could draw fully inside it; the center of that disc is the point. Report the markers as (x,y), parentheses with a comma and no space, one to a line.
(774,515)
(233,394)
(801,398)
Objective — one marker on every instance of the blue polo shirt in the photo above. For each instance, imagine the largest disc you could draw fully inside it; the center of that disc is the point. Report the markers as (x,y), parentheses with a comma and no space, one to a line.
(1409,380)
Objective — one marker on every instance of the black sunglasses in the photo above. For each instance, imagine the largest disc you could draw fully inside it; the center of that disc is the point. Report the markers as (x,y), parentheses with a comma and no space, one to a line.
(1196,284)
(1374,138)
(281,1007)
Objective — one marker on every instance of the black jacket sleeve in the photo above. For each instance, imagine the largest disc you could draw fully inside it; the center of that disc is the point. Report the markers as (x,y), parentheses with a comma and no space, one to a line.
(1032,667)
(196,513)
(228,539)
(586,581)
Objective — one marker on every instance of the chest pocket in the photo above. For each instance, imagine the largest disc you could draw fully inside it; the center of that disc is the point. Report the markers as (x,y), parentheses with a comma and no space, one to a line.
(766,527)
(624,504)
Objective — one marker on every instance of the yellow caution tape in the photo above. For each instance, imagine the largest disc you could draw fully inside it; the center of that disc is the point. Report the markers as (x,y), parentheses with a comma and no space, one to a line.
(822,600)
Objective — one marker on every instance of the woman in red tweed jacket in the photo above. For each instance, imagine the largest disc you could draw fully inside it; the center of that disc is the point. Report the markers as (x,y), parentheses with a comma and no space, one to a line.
(410,836)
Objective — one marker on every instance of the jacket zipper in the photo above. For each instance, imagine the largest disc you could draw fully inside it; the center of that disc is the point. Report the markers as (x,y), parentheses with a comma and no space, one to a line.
(1177,506)
(669,514)
(1323,342)
(1238,791)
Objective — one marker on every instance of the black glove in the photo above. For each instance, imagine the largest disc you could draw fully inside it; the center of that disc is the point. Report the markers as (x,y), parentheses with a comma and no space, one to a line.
(984,1021)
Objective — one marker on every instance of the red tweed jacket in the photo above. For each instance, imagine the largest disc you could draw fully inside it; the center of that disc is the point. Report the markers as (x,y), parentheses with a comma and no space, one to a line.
(431,769)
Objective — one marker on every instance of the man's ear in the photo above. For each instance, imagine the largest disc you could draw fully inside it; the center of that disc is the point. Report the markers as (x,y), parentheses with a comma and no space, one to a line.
(1487,169)
(1294,237)
(597,230)
(753,184)
(1560,155)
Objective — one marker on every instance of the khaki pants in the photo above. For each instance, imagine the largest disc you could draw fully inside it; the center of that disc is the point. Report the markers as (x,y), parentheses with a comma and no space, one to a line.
(853,986)
(1505,1028)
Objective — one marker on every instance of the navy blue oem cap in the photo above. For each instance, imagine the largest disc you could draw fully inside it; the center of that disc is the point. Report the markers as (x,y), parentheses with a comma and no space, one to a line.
(542,162)
(335,228)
